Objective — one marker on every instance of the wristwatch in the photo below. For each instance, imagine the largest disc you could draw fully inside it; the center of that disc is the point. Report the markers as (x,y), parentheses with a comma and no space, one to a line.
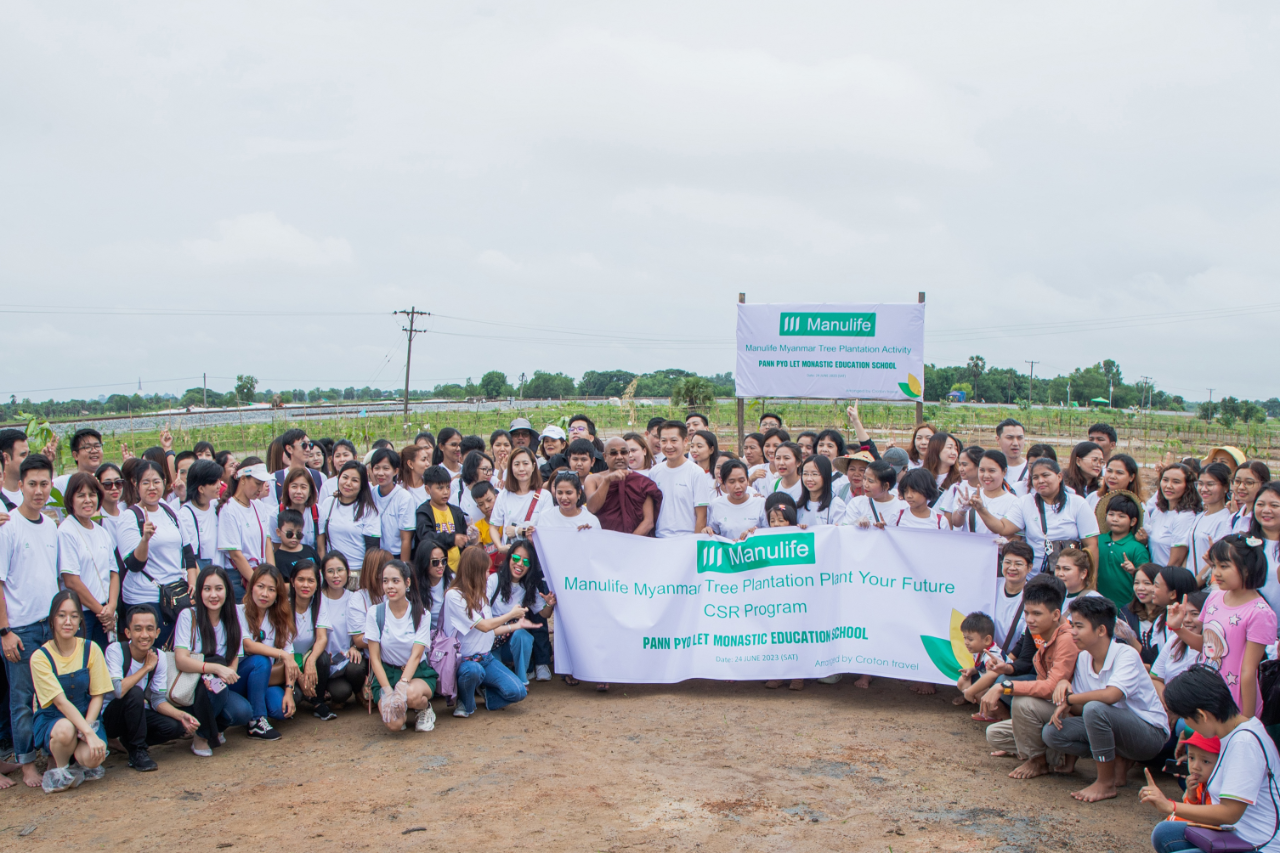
(1007,687)
(4,632)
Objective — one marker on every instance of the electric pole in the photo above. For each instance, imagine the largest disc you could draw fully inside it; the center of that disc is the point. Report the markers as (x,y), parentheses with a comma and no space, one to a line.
(413,313)
(205,389)
(1031,383)
(1210,396)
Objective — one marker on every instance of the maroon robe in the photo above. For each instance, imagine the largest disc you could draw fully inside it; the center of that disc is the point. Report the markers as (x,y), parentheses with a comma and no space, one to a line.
(623,508)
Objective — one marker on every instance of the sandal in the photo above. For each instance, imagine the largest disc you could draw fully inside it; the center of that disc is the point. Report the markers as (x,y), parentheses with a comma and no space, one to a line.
(570,680)
(602,688)
(983,718)
(773,685)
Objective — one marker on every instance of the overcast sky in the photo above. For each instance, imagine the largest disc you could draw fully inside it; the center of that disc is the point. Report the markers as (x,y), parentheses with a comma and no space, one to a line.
(1068,183)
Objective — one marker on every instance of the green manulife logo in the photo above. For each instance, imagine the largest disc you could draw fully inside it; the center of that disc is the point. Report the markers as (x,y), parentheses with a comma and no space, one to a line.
(791,549)
(845,325)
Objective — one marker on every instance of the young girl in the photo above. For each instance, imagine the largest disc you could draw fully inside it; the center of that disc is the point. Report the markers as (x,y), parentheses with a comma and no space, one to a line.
(993,492)
(786,461)
(817,505)
(1075,570)
(469,617)
(1246,483)
(704,450)
(300,494)
(780,510)
(1084,471)
(1170,513)
(86,558)
(500,445)
(1144,612)
(343,452)
(739,508)
(199,515)
(311,637)
(966,483)
(267,670)
(1209,526)
(940,459)
(519,582)
(1238,624)
(517,504)
(567,510)
(1175,657)
(243,531)
(396,509)
(413,461)
(349,520)
(398,638)
(70,678)
(919,445)
(211,629)
(1051,513)
(1264,525)
(918,489)
(346,659)
(877,504)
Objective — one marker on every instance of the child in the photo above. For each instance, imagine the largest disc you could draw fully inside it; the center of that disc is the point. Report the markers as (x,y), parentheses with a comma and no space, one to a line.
(955,495)
(1076,573)
(484,495)
(1120,552)
(566,488)
(919,489)
(438,520)
(877,502)
(979,638)
(291,549)
(1202,757)
(780,510)
(1175,657)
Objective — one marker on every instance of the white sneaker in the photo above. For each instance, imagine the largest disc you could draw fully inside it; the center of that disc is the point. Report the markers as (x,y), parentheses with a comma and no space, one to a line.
(426,720)
(830,679)
(543,672)
(460,712)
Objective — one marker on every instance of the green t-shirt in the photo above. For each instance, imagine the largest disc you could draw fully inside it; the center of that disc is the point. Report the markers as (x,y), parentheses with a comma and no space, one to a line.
(1113,581)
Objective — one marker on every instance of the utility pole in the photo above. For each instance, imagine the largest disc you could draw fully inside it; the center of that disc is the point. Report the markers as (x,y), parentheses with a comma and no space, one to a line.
(1031,383)
(413,313)
(1210,395)
(522,380)
(1111,387)
(1146,390)
(1068,393)
(742,298)
(919,403)
(205,389)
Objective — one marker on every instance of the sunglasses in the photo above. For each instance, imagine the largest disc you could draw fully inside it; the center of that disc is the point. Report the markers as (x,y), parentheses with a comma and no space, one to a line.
(520,561)
(616,452)
(291,534)
(439,561)
(113,484)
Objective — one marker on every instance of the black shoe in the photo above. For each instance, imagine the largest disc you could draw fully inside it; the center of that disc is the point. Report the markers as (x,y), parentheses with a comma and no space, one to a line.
(262,730)
(324,712)
(143,762)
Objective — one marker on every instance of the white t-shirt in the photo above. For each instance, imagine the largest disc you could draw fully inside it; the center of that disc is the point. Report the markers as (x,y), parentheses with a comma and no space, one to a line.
(265,629)
(242,528)
(1123,669)
(731,520)
(774,482)
(1166,529)
(396,513)
(1241,774)
(467,504)
(328,489)
(15,497)
(305,633)
(810,516)
(503,606)
(182,635)
(997,506)
(437,603)
(934,521)
(357,610)
(684,489)
(761,486)
(1166,668)
(344,532)
(164,555)
(1016,477)
(1074,521)
(458,621)
(90,554)
(1270,589)
(418,494)
(1205,530)
(551,516)
(397,637)
(512,509)
(155,685)
(200,526)
(28,567)
(864,507)
(337,613)
(1006,606)
(111,523)
(953,496)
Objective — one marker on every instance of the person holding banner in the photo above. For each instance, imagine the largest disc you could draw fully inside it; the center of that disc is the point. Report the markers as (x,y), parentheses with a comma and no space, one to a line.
(817,505)
(1050,518)
(623,499)
(685,487)
(786,461)
(994,490)
(739,510)
(877,503)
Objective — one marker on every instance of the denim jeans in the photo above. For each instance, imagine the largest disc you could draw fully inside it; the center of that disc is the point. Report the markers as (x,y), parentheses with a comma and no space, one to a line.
(92,629)
(237,583)
(229,709)
(1170,836)
(21,690)
(264,701)
(6,729)
(501,687)
(515,654)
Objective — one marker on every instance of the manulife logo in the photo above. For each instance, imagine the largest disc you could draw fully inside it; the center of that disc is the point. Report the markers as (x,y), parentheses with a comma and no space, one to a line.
(758,552)
(827,323)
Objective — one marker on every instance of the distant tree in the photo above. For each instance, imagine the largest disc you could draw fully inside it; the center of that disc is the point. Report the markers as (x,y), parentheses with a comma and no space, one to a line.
(493,383)
(1251,412)
(1207,410)
(1272,407)
(605,383)
(693,392)
(547,385)
(245,385)
(977,364)
(1229,409)
(349,393)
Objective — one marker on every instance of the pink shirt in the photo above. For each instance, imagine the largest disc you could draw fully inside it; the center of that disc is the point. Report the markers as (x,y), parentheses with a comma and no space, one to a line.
(1227,630)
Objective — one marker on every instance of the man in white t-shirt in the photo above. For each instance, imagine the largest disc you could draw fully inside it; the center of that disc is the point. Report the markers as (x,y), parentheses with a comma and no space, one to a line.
(13,449)
(1012,437)
(686,488)
(29,579)
(1111,710)
(86,450)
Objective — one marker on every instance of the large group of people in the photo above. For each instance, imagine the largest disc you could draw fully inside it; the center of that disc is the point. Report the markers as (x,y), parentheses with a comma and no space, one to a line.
(183,593)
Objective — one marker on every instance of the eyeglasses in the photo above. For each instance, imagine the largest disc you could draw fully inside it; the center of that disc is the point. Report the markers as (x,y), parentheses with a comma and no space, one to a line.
(520,561)
(439,561)
(94,446)
(615,453)
(112,484)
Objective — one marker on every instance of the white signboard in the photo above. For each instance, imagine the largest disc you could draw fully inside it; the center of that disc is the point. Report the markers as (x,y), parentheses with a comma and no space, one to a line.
(787,604)
(871,352)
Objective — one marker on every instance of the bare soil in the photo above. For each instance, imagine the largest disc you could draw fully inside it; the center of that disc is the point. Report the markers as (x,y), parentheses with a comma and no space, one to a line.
(702,765)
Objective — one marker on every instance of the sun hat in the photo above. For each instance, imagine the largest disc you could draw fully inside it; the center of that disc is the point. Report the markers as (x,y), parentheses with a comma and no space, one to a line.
(1237,456)
(841,463)
(521,424)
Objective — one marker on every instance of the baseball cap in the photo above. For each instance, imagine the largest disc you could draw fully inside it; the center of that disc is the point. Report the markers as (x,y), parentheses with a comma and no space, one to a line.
(1208,744)
(257,472)
(897,457)
(553,431)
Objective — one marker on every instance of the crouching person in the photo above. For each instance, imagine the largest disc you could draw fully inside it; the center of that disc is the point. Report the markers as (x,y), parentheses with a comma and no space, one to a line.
(398,633)
(139,713)
(1109,709)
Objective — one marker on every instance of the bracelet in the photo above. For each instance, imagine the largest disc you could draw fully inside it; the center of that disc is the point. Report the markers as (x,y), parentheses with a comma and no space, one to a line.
(202,669)
(1174,813)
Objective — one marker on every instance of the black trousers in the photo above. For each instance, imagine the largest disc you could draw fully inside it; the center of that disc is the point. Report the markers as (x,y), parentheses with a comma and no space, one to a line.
(347,683)
(322,682)
(136,725)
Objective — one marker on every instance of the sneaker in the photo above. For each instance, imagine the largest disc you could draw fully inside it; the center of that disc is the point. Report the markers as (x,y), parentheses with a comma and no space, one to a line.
(324,712)
(830,679)
(92,774)
(58,779)
(203,753)
(144,763)
(261,729)
(543,672)
(460,712)
(426,720)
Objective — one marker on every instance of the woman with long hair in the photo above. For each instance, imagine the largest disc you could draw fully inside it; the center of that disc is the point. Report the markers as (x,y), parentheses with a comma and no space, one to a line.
(244,534)
(941,458)
(519,503)
(448,451)
(1083,474)
(1121,474)
(704,450)
(1246,482)
(1050,516)
(347,668)
(268,669)
(639,457)
(310,638)
(211,629)
(398,633)
(431,569)
(1170,513)
(367,593)
(298,492)
(818,505)
(1264,526)
(113,488)
(919,445)
(349,519)
(500,444)
(413,461)
(519,582)
(1211,524)
(740,509)
(469,617)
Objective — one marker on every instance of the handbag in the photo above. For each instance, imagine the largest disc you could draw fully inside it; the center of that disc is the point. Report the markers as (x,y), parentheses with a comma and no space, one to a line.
(443,657)
(183,690)
(175,596)
(1053,548)
(1223,841)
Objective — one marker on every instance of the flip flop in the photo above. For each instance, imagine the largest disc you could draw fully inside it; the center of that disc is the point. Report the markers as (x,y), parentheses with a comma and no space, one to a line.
(983,718)
(570,680)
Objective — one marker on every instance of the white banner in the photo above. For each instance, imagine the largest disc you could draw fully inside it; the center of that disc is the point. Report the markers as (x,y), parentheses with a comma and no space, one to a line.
(791,604)
(873,352)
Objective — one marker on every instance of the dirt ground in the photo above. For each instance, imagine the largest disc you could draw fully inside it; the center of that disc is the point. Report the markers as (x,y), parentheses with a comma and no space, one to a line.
(702,765)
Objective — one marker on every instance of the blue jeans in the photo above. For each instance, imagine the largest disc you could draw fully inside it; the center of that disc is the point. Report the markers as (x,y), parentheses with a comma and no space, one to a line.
(501,687)
(230,709)
(1169,836)
(166,628)
(515,654)
(237,583)
(264,701)
(93,630)
(21,690)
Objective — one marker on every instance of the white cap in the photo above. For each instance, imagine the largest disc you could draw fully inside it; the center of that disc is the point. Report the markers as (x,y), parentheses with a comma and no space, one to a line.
(257,472)
(553,431)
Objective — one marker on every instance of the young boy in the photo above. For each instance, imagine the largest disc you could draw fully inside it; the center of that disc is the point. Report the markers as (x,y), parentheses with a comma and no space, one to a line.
(439,521)
(686,489)
(979,639)
(1120,553)
(1202,757)
(582,458)
(139,713)
(291,550)
(485,496)
(1109,709)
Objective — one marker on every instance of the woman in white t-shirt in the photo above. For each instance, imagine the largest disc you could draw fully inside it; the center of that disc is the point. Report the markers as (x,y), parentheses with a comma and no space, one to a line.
(993,491)
(477,467)
(299,494)
(199,515)
(919,445)
(347,668)
(1246,482)
(468,616)
(817,505)
(149,542)
(244,533)
(878,502)
(87,558)
(431,568)
(267,669)
(740,509)
(500,445)
(349,520)
(918,489)
(398,633)
(519,582)
(518,503)
(763,473)
(396,509)
(1083,474)
(414,460)
(1176,657)
(210,628)
(567,509)
(786,461)
(1051,513)
(1170,513)
(966,481)
(310,638)
(448,452)
(1210,524)
(343,452)
(941,459)
(704,450)
(113,483)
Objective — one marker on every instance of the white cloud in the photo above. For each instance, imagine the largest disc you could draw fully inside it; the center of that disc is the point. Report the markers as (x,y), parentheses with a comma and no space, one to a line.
(257,237)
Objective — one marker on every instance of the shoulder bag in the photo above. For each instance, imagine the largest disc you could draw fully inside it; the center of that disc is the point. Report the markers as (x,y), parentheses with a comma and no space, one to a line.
(176,595)
(182,687)
(1052,547)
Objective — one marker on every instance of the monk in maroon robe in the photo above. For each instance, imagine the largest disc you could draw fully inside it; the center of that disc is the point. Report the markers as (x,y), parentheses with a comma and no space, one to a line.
(622,499)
